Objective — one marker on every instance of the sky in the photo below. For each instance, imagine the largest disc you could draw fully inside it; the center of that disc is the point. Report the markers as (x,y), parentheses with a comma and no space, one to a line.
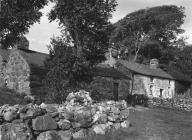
(40,33)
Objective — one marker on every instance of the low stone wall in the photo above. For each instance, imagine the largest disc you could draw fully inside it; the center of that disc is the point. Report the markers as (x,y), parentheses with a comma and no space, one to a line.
(175,103)
(77,118)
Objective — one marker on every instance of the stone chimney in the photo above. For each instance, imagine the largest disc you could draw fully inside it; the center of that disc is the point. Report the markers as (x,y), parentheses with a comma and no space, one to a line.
(154,63)
(23,43)
(111,57)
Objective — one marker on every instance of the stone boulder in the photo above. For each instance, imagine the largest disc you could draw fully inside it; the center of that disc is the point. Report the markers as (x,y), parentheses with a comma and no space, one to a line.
(64,124)
(82,118)
(44,123)
(115,110)
(15,131)
(125,124)
(101,128)
(82,133)
(31,111)
(10,116)
(82,97)
(55,135)
(100,118)
(50,108)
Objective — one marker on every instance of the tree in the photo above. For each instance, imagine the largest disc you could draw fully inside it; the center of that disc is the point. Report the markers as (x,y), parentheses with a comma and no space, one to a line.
(86,21)
(22,43)
(16,17)
(84,40)
(183,61)
(66,71)
(159,24)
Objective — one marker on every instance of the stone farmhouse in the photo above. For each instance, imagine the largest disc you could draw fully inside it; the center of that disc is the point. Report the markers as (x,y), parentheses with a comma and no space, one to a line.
(150,80)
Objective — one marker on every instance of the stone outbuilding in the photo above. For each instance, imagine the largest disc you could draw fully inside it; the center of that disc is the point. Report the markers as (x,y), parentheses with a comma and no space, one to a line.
(22,70)
(110,82)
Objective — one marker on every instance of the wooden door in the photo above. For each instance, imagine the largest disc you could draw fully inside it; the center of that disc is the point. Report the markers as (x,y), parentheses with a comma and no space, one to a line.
(115,91)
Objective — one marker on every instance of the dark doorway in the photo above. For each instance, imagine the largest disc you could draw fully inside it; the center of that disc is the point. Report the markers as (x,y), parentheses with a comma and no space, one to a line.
(115,91)
(161,93)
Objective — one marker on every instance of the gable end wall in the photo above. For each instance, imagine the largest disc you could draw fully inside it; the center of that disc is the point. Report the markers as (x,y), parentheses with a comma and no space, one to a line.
(2,72)
(18,73)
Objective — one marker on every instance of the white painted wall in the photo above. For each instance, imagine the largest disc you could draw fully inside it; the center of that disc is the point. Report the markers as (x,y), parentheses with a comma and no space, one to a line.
(154,87)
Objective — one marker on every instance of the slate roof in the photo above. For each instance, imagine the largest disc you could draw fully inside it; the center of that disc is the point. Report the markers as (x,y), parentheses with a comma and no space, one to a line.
(32,57)
(105,70)
(145,70)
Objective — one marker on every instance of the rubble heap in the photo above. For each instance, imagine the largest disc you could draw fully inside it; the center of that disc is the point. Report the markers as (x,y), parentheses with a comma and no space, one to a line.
(77,118)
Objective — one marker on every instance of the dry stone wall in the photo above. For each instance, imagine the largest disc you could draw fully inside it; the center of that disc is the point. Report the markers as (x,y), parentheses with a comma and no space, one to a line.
(175,103)
(77,118)
(18,73)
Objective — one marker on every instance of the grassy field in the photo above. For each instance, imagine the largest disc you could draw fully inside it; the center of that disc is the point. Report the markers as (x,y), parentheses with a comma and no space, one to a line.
(154,124)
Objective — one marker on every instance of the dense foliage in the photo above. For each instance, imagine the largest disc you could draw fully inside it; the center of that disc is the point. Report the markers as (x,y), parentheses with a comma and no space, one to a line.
(149,31)
(86,22)
(16,17)
(66,71)
(82,45)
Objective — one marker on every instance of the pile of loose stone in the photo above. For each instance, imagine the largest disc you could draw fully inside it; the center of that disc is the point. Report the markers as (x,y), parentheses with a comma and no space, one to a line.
(77,118)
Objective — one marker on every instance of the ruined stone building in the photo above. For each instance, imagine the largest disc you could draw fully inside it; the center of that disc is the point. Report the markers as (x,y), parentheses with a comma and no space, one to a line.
(21,70)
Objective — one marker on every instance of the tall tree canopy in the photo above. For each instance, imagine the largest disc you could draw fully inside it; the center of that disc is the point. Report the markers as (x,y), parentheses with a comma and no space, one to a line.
(157,26)
(16,17)
(86,22)
(84,40)
(66,71)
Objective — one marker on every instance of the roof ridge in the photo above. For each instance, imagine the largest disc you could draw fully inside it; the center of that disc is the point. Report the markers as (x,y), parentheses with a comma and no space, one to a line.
(32,51)
(145,70)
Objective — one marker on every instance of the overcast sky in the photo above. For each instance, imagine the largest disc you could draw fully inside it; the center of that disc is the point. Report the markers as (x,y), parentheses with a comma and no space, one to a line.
(40,34)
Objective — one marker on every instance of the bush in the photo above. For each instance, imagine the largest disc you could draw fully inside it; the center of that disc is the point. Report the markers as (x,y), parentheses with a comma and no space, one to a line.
(96,95)
(66,72)
(137,99)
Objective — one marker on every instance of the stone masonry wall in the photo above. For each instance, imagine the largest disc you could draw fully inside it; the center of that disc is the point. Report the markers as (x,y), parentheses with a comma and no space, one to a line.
(153,86)
(18,73)
(175,103)
(77,118)
(2,72)
(105,86)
